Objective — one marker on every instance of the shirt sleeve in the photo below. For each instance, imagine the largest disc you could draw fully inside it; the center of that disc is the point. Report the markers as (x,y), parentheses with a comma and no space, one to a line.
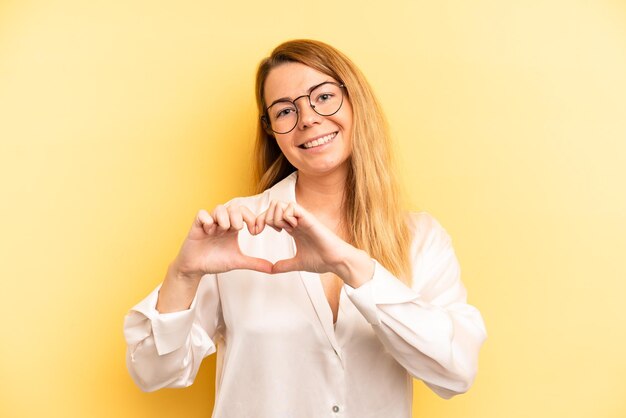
(428,328)
(166,349)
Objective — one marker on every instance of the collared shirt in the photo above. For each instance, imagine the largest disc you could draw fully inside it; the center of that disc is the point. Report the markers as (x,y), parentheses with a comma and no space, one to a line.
(279,354)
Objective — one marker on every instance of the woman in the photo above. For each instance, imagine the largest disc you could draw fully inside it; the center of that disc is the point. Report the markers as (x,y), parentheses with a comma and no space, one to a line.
(331,298)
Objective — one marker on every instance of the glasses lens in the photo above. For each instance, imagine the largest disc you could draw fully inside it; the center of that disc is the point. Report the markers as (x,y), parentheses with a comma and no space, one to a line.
(327,99)
(283,116)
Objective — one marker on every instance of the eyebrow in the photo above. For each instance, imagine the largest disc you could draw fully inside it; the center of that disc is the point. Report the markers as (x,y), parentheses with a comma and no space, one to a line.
(288,99)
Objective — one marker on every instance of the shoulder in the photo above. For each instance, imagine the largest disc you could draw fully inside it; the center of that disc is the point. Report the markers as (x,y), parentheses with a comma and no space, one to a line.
(426,230)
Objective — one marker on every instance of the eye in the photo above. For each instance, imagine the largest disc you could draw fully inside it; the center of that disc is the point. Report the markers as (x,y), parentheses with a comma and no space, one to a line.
(284,111)
(323,97)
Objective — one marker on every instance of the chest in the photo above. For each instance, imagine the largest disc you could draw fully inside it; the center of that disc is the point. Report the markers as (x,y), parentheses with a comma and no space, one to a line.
(299,307)
(332,290)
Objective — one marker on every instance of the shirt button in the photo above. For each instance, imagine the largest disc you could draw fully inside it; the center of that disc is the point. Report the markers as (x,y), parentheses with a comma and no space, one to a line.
(335,408)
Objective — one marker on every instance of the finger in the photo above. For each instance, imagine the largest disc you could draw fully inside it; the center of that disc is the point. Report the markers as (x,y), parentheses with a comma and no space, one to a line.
(221,216)
(257,264)
(205,221)
(259,222)
(269,216)
(299,211)
(235,218)
(269,213)
(284,266)
(250,219)
(305,219)
(203,217)
(289,216)
(278,215)
(213,229)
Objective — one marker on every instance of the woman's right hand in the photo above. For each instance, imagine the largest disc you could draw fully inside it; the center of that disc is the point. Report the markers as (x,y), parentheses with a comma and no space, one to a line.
(211,245)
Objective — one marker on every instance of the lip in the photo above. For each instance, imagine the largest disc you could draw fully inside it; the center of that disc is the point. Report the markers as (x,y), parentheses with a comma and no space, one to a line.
(301,145)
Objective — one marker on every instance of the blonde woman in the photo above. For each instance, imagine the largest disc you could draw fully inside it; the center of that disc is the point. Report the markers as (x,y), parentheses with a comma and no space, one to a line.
(321,296)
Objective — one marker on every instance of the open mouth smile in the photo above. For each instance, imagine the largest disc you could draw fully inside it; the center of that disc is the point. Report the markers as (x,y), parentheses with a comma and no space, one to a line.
(319,141)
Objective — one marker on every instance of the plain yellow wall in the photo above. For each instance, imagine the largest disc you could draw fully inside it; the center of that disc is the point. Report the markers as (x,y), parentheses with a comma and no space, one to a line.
(119,120)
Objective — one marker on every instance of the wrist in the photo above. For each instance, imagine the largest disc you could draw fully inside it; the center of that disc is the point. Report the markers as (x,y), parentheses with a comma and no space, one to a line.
(178,275)
(177,291)
(356,268)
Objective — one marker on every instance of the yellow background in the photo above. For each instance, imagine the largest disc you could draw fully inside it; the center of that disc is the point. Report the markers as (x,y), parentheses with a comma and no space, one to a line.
(119,120)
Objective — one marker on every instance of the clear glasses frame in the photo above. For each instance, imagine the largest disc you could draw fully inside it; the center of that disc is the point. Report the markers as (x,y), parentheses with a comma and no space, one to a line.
(266,120)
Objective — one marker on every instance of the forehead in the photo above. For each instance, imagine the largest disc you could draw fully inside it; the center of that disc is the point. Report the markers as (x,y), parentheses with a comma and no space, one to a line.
(290,80)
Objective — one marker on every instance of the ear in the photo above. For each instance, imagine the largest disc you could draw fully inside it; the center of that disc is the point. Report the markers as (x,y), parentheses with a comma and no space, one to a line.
(266,126)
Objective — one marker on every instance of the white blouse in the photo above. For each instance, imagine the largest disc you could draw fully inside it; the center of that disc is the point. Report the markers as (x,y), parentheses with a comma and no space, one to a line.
(279,354)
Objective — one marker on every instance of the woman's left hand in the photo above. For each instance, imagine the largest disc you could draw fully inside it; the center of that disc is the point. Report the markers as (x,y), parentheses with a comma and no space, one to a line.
(318,249)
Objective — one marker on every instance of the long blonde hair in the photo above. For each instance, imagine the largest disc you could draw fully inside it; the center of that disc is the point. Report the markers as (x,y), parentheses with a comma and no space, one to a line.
(375,221)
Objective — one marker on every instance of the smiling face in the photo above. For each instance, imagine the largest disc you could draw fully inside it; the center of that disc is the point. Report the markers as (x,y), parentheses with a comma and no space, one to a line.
(318,145)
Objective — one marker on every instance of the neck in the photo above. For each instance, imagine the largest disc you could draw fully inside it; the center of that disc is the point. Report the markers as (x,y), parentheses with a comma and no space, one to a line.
(322,195)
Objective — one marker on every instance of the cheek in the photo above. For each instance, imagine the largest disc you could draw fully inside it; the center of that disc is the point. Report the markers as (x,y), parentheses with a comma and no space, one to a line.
(282,150)
(348,127)
(282,143)
(348,118)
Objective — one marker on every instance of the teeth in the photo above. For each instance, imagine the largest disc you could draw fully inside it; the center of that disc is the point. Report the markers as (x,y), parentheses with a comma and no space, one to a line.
(320,141)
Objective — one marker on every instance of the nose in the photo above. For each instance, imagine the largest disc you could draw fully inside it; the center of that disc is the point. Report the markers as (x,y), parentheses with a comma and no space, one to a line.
(307,116)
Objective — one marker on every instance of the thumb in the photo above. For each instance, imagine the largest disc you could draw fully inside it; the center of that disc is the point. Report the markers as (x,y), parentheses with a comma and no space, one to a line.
(284,266)
(257,264)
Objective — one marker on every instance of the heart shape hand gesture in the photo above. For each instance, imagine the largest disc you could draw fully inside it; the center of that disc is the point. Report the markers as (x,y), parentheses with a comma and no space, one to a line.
(211,245)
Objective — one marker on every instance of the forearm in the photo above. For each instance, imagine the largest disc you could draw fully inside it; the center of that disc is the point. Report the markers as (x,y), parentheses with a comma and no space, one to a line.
(177,291)
(166,349)
(436,337)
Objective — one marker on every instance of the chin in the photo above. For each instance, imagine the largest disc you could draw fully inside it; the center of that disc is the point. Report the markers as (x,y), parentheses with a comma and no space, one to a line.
(325,169)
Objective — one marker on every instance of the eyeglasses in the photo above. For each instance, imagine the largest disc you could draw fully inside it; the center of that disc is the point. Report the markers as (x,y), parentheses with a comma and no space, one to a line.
(325,99)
